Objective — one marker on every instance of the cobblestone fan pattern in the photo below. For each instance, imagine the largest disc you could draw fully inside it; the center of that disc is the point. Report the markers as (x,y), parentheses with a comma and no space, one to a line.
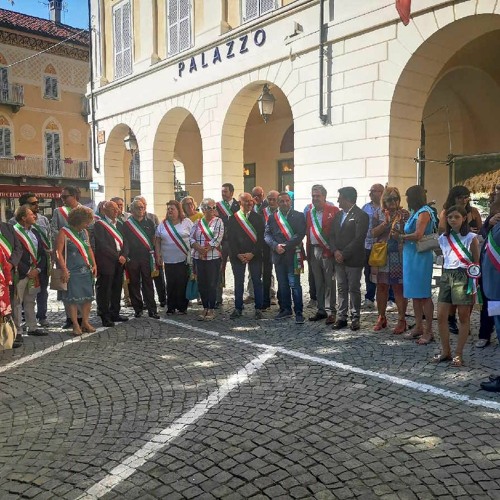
(295,429)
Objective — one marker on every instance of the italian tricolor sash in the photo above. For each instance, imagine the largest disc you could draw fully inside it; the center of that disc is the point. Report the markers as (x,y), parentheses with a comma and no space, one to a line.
(256,208)
(287,231)
(493,251)
(144,239)
(267,213)
(30,247)
(64,211)
(113,231)
(317,230)
(81,245)
(5,246)
(176,237)
(45,241)
(207,231)
(246,225)
(464,256)
(224,207)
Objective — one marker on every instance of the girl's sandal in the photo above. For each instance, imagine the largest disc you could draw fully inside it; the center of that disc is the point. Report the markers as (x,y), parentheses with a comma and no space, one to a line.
(424,340)
(439,358)
(457,362)
(400,327)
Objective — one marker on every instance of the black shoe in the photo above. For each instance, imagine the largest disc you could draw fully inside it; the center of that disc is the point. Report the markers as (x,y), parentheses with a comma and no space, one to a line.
(318,316)
(492,385)
(68,324)
(38,333)
(18,341)
(119,319)
(339,324)
(154,315)
(491,378)
(355,325)
(217,305)
(170,312)
(163,304)
(452,325)
(137,314)
(107,322)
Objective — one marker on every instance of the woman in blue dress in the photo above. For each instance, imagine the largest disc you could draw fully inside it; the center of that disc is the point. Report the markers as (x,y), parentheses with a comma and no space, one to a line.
(76,259)
(417,266)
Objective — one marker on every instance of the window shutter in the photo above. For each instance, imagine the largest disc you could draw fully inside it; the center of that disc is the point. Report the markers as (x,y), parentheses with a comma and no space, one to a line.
(266,6)
(184,25)
(127,39)
(48,87)
(57,146)
(251,9)
(173,27)
(54,88)
(117,21)
(4,83)
(49,150)
(7,148)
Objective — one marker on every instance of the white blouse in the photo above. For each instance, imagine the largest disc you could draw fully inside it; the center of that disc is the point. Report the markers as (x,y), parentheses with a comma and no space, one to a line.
(170,252)
(451,261)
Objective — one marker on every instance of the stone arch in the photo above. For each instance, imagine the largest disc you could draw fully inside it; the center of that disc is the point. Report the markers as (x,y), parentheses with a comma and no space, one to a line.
(425,65)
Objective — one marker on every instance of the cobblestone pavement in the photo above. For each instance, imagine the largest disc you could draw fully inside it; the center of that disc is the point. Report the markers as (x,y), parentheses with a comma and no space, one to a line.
(232,409)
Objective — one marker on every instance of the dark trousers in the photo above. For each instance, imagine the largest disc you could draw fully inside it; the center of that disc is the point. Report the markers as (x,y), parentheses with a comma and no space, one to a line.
(312,283)
(289,286)
(177,278)
(486,323)
(255,270)
(108,290)
(140,278)
(42,297)
(267,277)
(159,282)
(221,283)
(208,274)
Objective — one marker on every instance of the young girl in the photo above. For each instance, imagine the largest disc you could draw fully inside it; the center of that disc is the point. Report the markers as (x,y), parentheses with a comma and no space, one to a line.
(457,288)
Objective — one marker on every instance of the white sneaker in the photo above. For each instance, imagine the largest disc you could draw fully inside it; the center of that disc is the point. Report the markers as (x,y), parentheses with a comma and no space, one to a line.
(368,304)
(391,306)
(313,304)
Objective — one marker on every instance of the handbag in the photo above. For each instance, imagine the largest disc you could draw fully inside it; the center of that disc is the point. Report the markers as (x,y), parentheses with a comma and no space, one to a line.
(7,332)
(428,242)
(56,275)
(192,284)
(378,254)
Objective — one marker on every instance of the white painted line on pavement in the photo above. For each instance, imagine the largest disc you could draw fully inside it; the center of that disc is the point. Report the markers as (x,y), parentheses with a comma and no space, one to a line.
(152,447)
(48,350)
(418,386)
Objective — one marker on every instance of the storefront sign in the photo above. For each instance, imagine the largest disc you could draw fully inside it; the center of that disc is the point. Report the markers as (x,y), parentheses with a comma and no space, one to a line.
(240,45)
(8,191)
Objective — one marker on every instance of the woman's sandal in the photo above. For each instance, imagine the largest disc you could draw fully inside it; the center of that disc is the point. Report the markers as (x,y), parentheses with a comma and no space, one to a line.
(412,335)
(401,327)
(457,362)
(88,329)
(424,340)
(381,324)
(439,358)
(76,332)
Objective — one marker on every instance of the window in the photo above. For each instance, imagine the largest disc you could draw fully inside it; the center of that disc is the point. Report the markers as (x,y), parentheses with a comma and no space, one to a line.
(53,153)
(5,142)
(122,29)
(4,84)
(179,26)
(248,177)
(255,8)
(51,88)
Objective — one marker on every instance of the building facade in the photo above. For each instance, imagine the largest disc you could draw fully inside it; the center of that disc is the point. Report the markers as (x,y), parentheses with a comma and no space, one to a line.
(359,97)
(44,131)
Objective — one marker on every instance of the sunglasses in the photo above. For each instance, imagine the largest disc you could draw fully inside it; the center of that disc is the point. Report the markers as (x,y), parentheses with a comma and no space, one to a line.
(392,198)
(211,208)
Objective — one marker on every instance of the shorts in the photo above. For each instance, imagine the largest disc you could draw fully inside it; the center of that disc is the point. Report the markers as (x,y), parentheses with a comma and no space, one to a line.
(453,288)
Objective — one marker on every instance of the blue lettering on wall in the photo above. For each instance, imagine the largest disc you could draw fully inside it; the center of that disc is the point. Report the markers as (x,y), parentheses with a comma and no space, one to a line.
(259,38)
(204,63)
(192,66)
(217,56)
(243,46)
(230,52)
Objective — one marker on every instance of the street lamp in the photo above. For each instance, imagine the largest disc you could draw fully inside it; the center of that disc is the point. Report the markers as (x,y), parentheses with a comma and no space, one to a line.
(131,142)
(266,103)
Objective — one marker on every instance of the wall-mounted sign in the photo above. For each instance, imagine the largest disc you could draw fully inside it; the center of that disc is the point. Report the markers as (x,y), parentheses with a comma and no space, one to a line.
(213,56)
(101,137)
(94,186)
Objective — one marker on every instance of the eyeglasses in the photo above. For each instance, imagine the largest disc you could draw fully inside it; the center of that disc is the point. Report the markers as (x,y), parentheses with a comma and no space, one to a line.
(271,199)
(64,196)
(392,198)
(211,208)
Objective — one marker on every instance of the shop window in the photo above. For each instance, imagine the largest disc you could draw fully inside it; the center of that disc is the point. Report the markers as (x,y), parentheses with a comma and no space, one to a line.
(5,142)
(252,9)
(285,174)
(53,153)
(122,42)
(179,26)
(51,87)
(248,177)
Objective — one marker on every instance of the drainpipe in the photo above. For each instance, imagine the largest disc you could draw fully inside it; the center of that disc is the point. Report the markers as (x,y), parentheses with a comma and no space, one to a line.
(92,103)
(322,36)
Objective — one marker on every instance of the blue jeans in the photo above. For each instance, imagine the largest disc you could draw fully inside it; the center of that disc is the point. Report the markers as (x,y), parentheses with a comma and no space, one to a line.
(208,273)
(255,270)
(289,286)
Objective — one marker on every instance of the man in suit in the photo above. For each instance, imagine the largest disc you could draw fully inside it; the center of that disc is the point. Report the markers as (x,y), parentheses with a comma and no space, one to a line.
(284,233)
(246,237)
(319,219)
(347,242)
(110,254)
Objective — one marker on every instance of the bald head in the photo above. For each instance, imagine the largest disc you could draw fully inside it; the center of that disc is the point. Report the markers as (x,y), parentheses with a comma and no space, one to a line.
(272,198)
(110,209)
(376,193)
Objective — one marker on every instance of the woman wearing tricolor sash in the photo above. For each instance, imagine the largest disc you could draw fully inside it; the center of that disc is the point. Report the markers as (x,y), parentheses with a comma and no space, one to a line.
(75,257)
(173,251)
(460,249)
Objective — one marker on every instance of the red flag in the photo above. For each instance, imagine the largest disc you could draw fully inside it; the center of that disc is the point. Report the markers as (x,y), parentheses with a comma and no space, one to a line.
(403,7)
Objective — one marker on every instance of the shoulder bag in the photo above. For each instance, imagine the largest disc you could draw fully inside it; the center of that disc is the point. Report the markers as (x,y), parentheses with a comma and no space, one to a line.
(56,275)
(429,242)
(7,332)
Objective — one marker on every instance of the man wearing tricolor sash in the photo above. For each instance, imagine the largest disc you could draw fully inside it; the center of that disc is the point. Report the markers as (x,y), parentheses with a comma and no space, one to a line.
(225,209)
(111,256)
(32,264)
(320,257)
(246,236)
(139,233)
(284,233)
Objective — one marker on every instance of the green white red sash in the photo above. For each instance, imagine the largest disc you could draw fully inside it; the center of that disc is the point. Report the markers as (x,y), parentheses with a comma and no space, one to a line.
(207,232)
(317,230)
(113,231)
(287,231)
(267,213)
(64,211)
(493,250)
(246,225)
(256,208)
(5,246)
(27,243)
(82,246)
(175,236)
(223,207)
(144,239)
(45,241)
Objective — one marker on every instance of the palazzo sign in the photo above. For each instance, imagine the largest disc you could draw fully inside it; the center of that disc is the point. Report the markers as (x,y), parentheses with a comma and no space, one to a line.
(216,55)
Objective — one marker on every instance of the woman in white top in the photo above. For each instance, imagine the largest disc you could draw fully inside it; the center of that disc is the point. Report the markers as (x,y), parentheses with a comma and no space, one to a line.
(206,238)
(172,249)
(457,287)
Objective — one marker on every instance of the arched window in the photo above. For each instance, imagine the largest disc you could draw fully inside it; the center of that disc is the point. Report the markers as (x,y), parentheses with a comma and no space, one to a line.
(50,83)
(5,138)
(52,139)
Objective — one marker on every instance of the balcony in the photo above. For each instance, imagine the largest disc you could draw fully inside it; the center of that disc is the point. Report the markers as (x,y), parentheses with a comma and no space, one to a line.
(32,166)
(12,94)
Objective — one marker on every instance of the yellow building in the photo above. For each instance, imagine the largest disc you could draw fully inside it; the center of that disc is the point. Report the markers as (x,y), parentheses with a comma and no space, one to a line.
(44,134)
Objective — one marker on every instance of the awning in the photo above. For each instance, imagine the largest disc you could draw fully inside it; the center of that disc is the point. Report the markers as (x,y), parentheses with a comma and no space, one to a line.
(11,191)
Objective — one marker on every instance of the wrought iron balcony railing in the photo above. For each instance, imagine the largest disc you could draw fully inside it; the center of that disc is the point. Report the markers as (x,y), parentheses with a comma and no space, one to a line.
(12,94)
(32,166)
